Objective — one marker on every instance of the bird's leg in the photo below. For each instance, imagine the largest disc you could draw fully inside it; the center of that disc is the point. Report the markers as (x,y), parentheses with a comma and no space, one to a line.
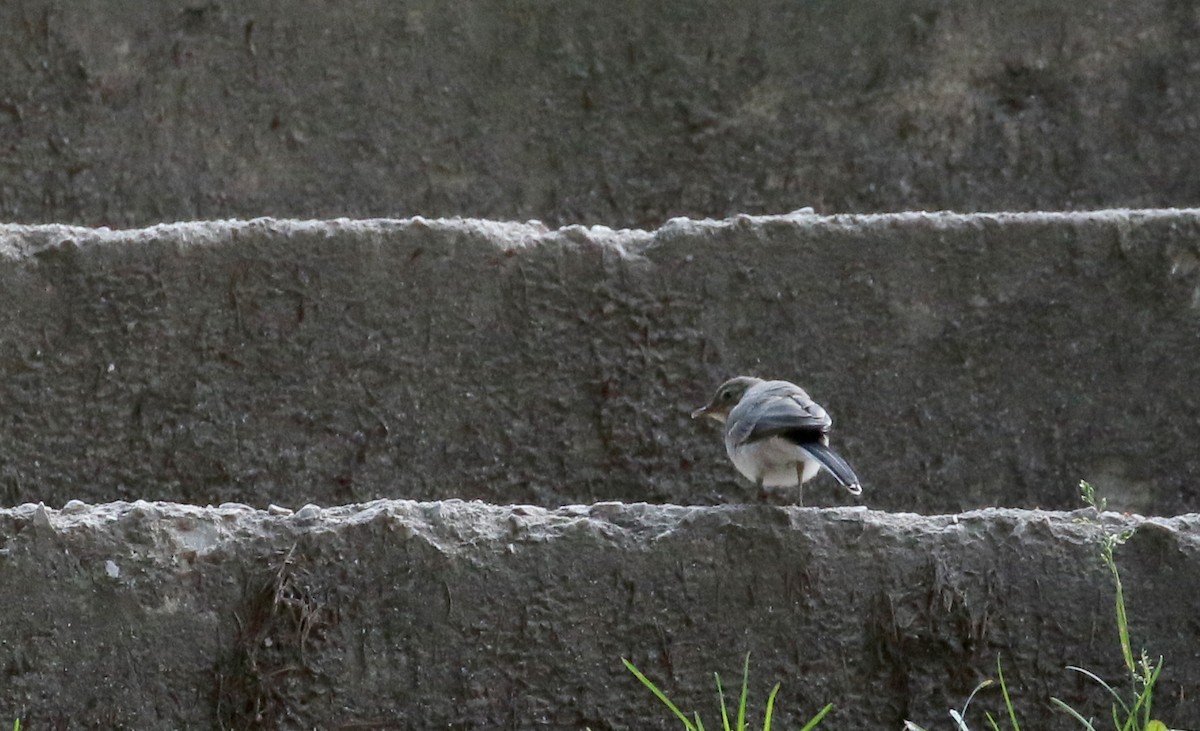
(762,490)
(800,483)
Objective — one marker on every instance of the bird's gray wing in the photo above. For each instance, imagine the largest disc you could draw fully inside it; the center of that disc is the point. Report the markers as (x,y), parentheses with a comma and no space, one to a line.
(790,414)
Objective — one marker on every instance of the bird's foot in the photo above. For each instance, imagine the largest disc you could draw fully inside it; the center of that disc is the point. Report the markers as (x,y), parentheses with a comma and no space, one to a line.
(779,498)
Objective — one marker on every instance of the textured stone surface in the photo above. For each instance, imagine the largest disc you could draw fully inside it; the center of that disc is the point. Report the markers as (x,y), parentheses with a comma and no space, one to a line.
(968,361)
(466,615)
(623,114)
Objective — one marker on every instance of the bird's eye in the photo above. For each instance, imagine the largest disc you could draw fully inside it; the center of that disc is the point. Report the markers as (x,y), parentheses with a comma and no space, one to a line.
(726,395)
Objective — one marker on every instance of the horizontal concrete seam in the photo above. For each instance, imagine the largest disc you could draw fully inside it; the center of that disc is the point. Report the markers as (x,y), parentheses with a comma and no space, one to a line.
(455,511)
(533,233)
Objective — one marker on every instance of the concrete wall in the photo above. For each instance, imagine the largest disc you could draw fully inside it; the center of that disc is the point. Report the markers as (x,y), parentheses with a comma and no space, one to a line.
(465,615)
(968,361)
(625,113)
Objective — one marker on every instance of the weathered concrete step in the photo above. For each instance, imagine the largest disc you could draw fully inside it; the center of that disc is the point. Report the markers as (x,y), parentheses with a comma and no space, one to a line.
(968,360)
(131,114)
(398,614)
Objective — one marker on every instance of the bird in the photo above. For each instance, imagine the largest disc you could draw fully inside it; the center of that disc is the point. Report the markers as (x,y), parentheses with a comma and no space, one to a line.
(775,434)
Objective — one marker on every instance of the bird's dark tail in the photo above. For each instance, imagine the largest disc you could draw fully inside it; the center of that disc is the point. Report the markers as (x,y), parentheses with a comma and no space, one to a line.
(837,466)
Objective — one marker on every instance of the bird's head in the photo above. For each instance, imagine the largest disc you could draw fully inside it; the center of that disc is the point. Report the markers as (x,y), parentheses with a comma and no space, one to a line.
(727,396)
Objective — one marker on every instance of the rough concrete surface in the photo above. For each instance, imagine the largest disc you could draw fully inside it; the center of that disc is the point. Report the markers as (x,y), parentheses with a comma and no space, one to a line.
(397,614)
(622,113)
(967,360)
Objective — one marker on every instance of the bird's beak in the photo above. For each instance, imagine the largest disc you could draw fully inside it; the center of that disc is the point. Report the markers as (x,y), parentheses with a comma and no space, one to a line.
(702,411)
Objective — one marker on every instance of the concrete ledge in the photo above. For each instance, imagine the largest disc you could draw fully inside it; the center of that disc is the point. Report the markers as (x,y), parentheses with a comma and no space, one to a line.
(968,360)
(398,614)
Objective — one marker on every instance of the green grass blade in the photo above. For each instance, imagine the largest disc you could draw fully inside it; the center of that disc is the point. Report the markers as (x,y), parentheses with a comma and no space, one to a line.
(724,711)
(770,707)
(1132,723)
(1063,706)
(1012,713)
(1100,681)
(1146,698)
(812,723)
(661,696)
(1106,553)
(991,721)
(768,716)
(741,721)
(1122,618)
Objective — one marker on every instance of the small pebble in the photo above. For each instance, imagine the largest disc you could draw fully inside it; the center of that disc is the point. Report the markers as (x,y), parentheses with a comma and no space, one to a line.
(308,512)
(74,506)
(274,509)
(41,518)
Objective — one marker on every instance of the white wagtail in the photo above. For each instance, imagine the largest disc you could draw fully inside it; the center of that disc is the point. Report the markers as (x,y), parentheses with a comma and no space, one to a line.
(775,434)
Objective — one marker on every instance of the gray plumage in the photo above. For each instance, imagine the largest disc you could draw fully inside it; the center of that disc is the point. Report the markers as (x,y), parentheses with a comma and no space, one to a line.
(775,434)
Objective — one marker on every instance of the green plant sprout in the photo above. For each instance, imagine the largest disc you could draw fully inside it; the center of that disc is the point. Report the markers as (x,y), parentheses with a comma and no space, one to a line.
(1133,715)
(698,725)
(1127,715)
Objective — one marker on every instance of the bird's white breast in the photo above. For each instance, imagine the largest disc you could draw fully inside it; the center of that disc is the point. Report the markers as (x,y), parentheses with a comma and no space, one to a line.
(774,461)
